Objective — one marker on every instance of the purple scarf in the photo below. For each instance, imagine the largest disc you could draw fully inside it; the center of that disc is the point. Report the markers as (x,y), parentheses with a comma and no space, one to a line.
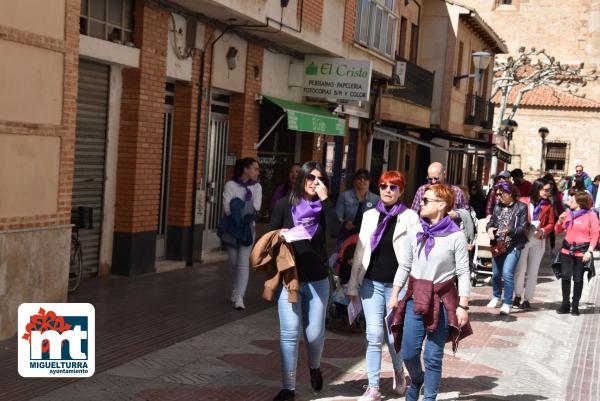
(396,210)
(246,184)
(538,208)
(307,214)
(442,228)
(505,186)
(576,214)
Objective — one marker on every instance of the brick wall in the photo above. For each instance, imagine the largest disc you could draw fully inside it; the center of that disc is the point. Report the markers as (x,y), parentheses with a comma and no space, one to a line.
(69,46)
(312,12)
(349,21)
(245,110)
(141,132)
(182,149)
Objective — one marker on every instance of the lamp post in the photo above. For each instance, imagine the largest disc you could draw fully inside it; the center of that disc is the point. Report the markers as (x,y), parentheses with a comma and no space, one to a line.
(481,60)
(508,127)
(544,132)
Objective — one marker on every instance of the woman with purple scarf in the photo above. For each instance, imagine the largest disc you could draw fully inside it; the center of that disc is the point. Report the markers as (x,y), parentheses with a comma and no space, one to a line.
(541,224)
(507,230)
(432,310)
(243,187)
(581,226)
(379,249)
(309,214)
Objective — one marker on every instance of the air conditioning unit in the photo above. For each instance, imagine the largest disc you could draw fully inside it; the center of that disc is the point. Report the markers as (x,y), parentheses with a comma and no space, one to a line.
(399,73)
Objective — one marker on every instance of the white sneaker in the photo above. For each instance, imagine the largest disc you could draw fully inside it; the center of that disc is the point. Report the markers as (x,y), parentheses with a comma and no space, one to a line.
(399,385)
(371,394)
(239,303)
(505,310)
(494,303)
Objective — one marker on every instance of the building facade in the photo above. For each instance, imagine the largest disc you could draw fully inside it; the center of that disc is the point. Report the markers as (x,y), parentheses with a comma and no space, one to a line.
(569,31)
(131,114)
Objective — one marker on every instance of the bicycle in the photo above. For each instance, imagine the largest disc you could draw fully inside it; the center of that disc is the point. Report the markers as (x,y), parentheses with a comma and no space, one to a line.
(75,262)
(81,218)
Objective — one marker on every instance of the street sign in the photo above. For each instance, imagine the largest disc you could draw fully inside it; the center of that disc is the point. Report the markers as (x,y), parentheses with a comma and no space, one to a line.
(337,78)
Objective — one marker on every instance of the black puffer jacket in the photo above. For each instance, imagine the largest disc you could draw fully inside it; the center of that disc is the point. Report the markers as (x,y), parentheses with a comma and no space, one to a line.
(519,223)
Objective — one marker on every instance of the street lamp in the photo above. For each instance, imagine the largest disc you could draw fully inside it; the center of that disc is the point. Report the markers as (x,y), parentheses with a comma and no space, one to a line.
(544,132)
(481,60)
(508,127)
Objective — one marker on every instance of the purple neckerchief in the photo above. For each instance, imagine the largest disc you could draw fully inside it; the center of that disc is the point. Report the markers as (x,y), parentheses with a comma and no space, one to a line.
(307,214)
(246,184)
(396,210)
(442,228)
(538,208)
(505,186)
(576,214)
(583,175)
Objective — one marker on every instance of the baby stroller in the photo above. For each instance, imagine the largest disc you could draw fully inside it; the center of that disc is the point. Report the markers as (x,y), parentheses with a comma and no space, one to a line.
(481,263)
(340,270)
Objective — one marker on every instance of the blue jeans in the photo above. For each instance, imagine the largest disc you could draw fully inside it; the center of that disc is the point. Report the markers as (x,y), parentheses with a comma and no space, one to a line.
(503,268)
(412,343)
(308,315)
(375,297)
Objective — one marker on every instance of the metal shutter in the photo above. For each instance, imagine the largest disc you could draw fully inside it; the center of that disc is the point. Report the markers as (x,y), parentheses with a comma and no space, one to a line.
(90,148)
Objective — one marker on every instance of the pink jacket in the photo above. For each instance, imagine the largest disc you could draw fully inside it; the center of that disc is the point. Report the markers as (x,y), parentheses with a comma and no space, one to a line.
(584,229)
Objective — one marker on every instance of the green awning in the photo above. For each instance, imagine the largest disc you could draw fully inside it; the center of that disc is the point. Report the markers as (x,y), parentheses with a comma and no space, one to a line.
(301,117)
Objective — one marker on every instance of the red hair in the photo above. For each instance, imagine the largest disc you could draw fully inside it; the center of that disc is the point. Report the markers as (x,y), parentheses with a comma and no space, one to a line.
(444,193)
(393,177)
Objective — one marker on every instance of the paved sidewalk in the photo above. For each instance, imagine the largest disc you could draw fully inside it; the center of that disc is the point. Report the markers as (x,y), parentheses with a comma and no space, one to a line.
(524,357)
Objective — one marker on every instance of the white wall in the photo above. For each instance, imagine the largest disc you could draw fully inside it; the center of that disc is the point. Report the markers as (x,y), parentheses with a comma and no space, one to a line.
(178,68)
(276,70)
(223,77)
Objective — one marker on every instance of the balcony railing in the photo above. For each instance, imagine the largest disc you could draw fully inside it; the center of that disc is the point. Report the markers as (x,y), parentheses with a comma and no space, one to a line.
(418,85)
(479,111)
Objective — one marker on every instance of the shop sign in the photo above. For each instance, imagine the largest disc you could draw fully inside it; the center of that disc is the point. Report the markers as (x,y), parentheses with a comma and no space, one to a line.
(299,121)
(337,78)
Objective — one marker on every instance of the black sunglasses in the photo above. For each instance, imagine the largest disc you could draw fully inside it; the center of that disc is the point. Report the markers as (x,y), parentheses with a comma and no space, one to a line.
(311,177)
(431,179)
(362,177)
(392,187)
(427,200)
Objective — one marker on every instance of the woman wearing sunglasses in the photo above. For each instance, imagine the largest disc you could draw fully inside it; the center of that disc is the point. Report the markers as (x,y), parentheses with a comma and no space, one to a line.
(541,224)
(582,233)
(507,230)
(432,310)
(378,251)
(310,213)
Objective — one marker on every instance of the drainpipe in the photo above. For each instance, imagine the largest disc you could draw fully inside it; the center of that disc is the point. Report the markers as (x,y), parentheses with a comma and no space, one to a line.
(190,260)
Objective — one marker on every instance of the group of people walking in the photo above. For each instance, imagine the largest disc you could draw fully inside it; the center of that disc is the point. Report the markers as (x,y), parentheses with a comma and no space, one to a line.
(410,268)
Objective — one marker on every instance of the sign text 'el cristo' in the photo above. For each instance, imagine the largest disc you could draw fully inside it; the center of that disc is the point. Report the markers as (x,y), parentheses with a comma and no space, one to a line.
(337,78)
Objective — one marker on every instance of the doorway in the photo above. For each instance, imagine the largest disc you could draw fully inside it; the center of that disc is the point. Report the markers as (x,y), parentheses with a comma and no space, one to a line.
(218,138)
(165,175)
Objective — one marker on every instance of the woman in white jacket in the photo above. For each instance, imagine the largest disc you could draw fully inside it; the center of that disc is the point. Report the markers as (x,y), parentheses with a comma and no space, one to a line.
(380,245)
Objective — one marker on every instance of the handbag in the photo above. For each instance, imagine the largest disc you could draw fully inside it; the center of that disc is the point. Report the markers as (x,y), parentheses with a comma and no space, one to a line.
(557,266)
(498,248)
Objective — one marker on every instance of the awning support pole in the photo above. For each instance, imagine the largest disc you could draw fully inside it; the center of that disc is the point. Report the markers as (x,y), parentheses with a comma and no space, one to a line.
(256,145)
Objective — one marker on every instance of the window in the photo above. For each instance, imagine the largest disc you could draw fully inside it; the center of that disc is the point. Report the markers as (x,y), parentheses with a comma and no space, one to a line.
(110,20)
(376,25)
(414,43)
(402,46)
(556,156)
(507,5)
(459,62)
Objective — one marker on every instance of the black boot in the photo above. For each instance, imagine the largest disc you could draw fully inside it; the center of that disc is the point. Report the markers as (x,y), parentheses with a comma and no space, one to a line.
(285,395)
(566,291)
(577,289)
(316,379)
